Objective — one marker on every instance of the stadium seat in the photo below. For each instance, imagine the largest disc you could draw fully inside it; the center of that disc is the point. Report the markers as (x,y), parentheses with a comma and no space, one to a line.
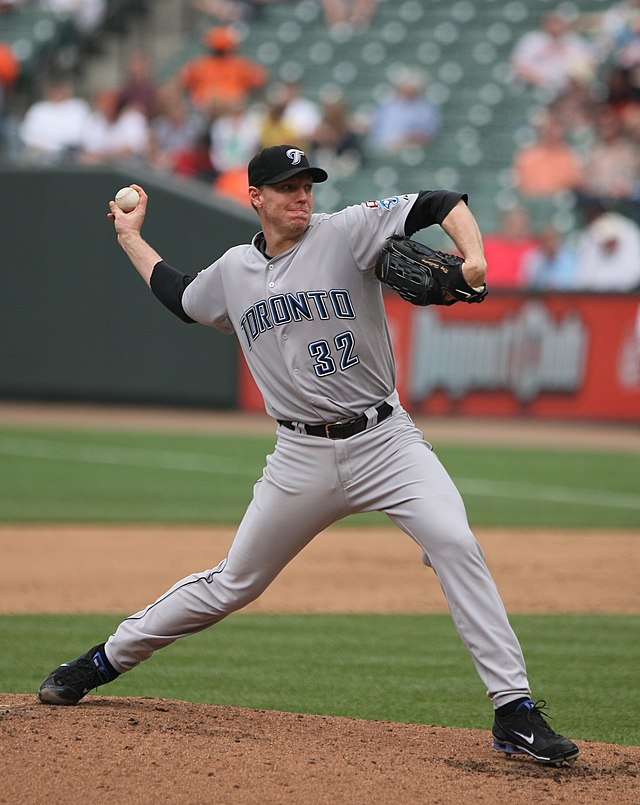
(463,46)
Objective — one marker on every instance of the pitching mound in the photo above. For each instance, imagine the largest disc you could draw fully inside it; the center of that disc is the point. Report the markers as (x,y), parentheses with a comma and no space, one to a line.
(109,750)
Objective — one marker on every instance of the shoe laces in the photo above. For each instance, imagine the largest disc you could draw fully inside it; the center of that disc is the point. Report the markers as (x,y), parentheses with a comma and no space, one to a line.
(82,674)
(535,713)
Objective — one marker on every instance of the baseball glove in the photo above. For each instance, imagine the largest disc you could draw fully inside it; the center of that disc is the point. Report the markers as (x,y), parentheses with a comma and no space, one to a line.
(424,276)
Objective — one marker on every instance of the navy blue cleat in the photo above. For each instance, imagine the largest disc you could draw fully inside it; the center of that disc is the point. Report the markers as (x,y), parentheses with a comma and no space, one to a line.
(524,731)
(72,680)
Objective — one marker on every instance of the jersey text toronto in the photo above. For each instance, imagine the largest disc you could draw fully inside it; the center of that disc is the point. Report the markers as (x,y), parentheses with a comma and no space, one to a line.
(294,307)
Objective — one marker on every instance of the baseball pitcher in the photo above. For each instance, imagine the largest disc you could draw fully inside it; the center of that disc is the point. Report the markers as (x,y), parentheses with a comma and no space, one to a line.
(305,300)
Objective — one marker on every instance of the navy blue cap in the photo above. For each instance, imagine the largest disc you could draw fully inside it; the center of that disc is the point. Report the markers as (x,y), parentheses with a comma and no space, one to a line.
(279,162)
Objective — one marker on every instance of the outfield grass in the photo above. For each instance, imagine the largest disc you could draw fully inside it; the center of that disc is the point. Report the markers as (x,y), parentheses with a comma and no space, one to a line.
(60,475)
(390,667)
(407,668)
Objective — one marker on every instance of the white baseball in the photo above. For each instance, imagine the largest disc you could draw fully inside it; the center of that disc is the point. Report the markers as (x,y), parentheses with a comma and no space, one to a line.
(127,199)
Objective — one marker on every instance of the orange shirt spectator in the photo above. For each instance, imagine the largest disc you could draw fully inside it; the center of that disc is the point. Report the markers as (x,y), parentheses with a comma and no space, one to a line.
(221,75)
(9,72)
(9,65)
(547,166)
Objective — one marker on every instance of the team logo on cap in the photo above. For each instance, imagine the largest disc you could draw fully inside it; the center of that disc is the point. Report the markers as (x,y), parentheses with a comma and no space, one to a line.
(295,155)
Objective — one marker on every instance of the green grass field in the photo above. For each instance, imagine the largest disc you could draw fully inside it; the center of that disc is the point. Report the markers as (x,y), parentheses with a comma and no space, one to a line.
(61,475)
(391,667)
(410,668)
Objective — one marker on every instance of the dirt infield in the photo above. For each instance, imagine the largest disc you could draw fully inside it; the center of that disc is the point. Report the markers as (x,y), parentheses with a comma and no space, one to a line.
(112,750)
(148,751)
(116,750)
(338,572)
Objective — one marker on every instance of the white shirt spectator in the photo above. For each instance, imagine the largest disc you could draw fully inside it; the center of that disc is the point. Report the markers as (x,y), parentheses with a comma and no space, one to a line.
(553,55)
(113,132)
(52,127)
(301,113)
(609,254)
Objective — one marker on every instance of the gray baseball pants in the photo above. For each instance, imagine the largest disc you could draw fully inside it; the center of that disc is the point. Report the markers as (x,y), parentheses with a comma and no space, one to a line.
(308,483)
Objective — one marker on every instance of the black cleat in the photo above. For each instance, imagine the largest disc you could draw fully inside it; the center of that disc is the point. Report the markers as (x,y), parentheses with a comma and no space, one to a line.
(526,732)
(72,680)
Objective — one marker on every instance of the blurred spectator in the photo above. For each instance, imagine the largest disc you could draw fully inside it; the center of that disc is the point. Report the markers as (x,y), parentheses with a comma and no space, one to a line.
(194,160)
(174,130)
(552,262)
(406,118)
(113,131)
(335,142)
(622,89)
(616,31)
(235,137)
(575,110)
(52,127)
(622,21)
(612,167)
(507,248)
(354,13)
(609,254)
(139,87)
(88,15)
(623,94)
(547,166)
(274,129)
(9,72)
(553,54)
(221,75)
(631,123)
(9,65)
(301,113)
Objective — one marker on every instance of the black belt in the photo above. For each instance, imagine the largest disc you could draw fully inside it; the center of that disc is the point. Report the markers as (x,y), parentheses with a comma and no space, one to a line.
(339,430)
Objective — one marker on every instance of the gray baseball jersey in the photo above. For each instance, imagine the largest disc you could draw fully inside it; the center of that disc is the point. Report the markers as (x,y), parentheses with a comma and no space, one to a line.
(312,325)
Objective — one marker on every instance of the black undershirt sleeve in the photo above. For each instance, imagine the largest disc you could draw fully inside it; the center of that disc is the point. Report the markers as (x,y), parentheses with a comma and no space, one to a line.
(168,284)
(431,207)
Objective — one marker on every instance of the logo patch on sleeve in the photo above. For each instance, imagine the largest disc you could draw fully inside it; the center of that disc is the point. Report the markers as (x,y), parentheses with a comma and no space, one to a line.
(388,203)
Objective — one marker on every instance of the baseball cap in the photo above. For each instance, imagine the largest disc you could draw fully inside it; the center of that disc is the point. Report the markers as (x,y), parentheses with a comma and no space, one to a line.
(220,37)
(279,162)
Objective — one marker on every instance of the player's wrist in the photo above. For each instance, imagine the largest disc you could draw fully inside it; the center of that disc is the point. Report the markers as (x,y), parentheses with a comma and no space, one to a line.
(132,243)
(474,272)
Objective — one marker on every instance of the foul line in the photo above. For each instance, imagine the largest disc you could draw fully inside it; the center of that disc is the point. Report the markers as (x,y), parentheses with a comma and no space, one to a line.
(193,462)
(127,456)
(553,494)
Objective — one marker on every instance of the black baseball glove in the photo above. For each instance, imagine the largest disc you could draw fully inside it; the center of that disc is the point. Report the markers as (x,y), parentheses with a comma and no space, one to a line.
(424,276)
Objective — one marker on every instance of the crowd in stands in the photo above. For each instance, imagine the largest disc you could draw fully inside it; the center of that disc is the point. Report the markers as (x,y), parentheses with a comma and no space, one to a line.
(585,72)
(88,15)
(208,119)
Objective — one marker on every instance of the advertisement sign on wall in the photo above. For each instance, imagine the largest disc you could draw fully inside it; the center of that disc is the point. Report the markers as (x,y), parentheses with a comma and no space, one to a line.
(551,355)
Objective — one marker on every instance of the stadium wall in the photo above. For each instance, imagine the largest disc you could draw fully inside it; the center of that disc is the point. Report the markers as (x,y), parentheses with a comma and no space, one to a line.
(76,321)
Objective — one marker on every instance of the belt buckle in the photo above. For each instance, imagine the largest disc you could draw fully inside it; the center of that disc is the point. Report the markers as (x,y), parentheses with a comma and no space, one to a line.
(327,428)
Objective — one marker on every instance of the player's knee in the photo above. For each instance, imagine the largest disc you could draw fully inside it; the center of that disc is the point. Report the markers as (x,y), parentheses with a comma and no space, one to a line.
(454,545)
(235,594)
